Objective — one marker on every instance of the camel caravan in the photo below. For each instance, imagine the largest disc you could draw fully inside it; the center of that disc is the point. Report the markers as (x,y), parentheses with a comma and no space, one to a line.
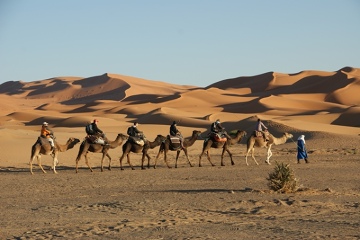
(135,141)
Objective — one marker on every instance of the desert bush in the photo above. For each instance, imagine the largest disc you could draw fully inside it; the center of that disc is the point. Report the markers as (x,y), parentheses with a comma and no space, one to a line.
(282,179)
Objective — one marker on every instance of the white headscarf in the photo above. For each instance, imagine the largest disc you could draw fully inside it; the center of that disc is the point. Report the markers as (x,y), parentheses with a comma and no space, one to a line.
(302,137)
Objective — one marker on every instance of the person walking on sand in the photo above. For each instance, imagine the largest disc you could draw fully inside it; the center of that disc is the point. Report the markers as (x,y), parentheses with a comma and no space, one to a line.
(301,149)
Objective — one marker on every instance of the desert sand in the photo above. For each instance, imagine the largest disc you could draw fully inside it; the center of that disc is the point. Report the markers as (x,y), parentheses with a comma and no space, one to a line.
(208,202)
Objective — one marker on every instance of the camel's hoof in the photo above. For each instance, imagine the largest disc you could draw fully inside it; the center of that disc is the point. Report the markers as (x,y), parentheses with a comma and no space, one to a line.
(222,165)
(233,163)
(191,165)
(143,168)
(132,168)
(121,169)
(213,165)
(200,165)
(268,162)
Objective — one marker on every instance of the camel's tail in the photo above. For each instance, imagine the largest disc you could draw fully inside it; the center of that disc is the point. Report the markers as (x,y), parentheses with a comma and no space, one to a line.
(80,150)
(33,150)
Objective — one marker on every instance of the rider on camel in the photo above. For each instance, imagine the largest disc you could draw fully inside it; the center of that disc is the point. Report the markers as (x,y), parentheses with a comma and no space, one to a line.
(133,131)
(259,127)
(216,128)
(47,133)
(93,129)
(174,131)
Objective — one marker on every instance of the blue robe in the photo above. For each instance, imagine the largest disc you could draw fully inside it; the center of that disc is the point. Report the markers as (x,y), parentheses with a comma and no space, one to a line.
(302,154)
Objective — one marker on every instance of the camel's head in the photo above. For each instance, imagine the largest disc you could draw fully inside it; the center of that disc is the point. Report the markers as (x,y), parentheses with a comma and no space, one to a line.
(72,142)
(288,135)
(196,133)
(123,136)
(160,138)
(241,133)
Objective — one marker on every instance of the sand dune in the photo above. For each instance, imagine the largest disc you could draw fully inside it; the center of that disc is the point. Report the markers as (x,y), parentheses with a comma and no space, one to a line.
(222,202)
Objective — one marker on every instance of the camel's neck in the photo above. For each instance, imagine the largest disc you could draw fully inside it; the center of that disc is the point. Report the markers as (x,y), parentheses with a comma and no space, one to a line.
(63,148)
(235,139)
(281,140)
(191,141)
(117,142)
(154,144)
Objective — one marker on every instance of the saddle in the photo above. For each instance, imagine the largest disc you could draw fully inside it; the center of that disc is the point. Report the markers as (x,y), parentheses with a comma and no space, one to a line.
(93,139)
(259,134)
(137,140)
(43,141)
(175,143)
(174,139)
(218,137)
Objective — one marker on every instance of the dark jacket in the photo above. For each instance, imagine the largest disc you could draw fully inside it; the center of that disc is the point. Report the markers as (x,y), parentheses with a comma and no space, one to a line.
(95,128)
(173,130)
(133,131)
(216,127)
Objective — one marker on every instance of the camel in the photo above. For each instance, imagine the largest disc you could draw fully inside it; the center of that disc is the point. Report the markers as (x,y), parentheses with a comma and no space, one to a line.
(43,147)
(87,147)
(167,145)
(209,143)
(130,146)
(253,142)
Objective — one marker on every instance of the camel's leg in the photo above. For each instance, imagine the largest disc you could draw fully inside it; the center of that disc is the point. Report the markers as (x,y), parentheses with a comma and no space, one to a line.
(128,160)
(246,155)
(202,153)
(222,157)
(148,164)
(76,164)
(31,164)
(121,159)
(39,163)
(187,157)
(252,155)
(108,156)
(230,155)
(209,158)
(87,162)
(269,154)
(177,157)
(143,160)
(55,162)
(165,159)
(157,156)
(102,162)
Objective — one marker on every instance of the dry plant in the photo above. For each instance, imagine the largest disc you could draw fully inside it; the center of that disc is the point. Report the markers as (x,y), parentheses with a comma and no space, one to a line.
(282,179)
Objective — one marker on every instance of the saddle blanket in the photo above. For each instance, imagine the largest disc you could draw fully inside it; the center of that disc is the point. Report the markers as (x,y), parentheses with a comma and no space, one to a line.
(174,139)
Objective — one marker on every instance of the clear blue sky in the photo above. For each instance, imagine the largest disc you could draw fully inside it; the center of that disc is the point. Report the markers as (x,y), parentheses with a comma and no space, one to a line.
(196,42)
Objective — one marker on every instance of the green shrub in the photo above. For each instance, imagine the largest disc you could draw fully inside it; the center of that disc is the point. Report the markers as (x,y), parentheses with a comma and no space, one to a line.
(282,179)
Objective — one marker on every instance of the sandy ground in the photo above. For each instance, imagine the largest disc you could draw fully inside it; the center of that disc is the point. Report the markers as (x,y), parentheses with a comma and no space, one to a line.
(228,202)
